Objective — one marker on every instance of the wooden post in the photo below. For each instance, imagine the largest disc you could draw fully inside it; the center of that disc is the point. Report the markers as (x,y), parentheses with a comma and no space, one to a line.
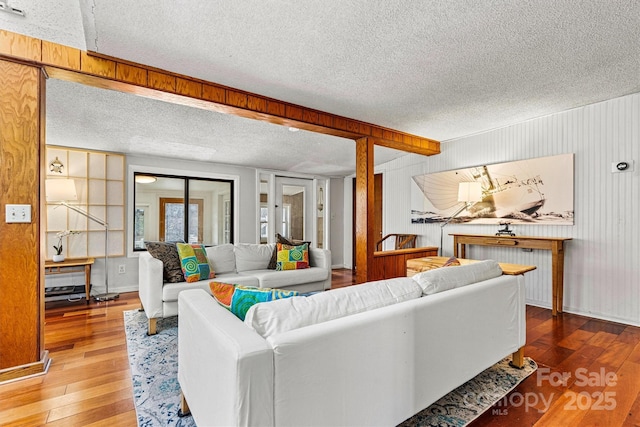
(365,236)
(21,255)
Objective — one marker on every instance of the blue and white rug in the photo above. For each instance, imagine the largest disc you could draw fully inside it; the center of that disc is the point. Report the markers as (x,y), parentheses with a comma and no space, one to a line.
(154,371)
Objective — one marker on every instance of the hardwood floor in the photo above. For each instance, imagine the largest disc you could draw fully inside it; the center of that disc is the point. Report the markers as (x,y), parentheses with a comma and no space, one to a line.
(89,381)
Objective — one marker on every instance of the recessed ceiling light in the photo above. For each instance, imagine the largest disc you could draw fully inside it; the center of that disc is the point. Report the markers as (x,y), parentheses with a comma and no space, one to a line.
(292,129)
(145,179)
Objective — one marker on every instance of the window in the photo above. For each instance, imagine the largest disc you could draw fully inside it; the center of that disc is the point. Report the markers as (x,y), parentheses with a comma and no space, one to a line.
(184,209)
(172,220)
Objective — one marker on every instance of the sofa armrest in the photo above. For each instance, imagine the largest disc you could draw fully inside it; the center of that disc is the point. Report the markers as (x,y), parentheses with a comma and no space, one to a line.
(150,284)
(320,258)
(225,369)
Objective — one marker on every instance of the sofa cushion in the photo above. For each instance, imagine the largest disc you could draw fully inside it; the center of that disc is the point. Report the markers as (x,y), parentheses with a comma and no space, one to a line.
(442,279)
(170,291)
(297,312)
(292,257)
(252,256)
(222,258)
(282,279)
(167,253)
(238,299)
(194,262)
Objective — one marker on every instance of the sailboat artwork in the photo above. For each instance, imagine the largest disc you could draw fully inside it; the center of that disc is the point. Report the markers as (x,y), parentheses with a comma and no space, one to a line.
(532,191)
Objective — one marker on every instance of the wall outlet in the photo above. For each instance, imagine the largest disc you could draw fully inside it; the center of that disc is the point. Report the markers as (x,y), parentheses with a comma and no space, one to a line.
(122,269)
(18,213)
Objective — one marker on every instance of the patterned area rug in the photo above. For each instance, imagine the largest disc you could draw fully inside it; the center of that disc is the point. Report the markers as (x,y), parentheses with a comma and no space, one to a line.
(154,370)
(471,399)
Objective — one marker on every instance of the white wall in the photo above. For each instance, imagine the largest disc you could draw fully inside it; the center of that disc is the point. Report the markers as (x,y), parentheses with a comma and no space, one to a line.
(602,262)
(336,223)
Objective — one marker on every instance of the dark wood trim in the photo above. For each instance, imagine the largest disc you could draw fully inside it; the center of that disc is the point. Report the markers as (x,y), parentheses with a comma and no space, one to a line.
(90,68)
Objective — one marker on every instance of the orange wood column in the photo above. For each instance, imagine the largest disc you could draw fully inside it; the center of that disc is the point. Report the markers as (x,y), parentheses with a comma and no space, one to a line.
(365,233)
(21,274)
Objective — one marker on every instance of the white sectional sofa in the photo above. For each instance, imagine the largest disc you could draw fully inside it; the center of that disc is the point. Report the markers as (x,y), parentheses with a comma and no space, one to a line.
(371,354)
(241,264)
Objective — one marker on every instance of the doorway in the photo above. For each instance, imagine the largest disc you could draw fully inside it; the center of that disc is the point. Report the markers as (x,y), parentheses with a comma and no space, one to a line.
(377,214)
(294,212)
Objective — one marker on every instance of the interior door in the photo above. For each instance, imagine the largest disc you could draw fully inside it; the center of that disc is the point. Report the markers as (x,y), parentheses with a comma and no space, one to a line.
(294,210)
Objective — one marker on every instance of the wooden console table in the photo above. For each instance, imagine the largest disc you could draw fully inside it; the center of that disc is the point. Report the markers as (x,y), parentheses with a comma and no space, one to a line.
(72,265)
(553,244)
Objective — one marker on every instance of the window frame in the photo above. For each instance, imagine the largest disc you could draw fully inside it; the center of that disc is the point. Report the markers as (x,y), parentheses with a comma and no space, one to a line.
(134,170)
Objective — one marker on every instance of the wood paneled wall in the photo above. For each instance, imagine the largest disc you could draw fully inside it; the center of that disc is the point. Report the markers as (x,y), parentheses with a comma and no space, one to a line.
(21,275)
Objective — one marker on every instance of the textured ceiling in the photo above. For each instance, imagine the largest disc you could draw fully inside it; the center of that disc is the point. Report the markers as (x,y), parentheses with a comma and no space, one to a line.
(439,69)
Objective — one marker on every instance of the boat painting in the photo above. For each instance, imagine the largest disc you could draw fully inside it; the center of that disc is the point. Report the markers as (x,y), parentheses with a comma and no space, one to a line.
(532,191)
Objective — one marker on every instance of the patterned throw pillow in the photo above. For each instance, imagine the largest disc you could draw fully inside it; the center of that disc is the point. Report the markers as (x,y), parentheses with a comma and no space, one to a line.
(292,257)
(194,262)
(238,299)
(281,239)
(168,254)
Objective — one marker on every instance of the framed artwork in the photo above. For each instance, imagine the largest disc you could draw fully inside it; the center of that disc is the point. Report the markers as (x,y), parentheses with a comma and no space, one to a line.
(533,191)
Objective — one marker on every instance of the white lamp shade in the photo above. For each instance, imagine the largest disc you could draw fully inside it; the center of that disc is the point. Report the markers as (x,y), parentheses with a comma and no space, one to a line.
(469,192)
(60,190)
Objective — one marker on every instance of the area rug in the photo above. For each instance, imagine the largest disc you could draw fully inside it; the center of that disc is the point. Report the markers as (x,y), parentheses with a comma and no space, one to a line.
(154,371)
(471,399)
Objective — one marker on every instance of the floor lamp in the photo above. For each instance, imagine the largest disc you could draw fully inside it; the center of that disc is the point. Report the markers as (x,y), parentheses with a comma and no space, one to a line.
(468,193)
(61,191)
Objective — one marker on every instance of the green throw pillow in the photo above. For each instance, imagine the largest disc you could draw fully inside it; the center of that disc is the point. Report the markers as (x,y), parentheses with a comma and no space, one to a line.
(238,299)
(194,262)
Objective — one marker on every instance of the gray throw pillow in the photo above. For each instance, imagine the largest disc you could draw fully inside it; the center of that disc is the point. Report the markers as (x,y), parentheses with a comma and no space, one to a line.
(168,254)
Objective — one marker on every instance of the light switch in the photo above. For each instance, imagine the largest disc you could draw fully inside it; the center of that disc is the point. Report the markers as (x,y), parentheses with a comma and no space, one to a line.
(18,213)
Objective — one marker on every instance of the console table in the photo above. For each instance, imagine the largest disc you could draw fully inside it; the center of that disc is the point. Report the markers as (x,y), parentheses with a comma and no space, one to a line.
(72,265)
(553,244)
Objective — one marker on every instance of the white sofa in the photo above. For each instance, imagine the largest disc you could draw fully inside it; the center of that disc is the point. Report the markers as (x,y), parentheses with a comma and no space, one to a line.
(242,264)
(376,366)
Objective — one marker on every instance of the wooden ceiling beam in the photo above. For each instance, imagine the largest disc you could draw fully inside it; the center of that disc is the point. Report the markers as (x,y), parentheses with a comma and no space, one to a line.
(66,63)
